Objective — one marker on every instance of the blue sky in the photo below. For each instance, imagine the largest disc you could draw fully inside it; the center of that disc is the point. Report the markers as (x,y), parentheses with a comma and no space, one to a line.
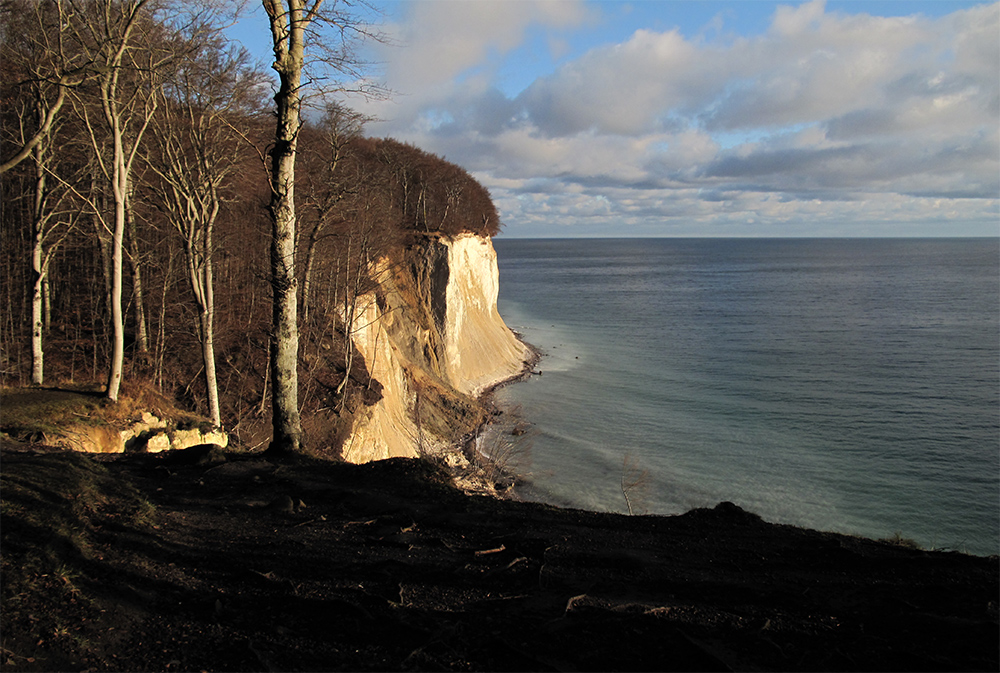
(710,118)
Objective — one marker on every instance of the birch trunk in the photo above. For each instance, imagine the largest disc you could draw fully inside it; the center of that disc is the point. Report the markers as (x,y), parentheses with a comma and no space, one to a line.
(117,237)
(288,32)
(37,317)
(198,249)
(208,345)
(38,271)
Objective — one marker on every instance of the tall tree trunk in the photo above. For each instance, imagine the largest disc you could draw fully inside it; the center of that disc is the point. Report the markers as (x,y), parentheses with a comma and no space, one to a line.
(285,333)
(210,378)
(208,356)
(38,268)
(119,187)
(135,261)
(307,275)
(200,273)
(288,31)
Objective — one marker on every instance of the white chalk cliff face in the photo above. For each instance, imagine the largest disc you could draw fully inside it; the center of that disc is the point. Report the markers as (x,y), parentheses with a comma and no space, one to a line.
(479,348)
(433,332)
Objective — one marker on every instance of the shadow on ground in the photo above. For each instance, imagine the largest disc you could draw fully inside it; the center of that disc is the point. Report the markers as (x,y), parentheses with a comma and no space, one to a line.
(211,562)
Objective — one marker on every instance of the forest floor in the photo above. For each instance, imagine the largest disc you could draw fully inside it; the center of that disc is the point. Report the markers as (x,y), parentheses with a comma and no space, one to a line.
(208,561)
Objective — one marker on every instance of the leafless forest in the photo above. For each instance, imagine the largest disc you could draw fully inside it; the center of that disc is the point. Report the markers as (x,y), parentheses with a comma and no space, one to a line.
(139,168)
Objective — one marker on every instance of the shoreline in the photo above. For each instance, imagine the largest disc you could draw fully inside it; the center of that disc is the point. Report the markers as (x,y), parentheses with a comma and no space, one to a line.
(487,476)
(482,474)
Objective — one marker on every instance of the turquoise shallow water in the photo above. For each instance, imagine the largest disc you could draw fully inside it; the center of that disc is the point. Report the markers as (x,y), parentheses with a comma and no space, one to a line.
(847,385)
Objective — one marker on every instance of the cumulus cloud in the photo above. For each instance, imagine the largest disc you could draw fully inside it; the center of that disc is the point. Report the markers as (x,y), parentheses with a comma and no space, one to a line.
(444,38)
(824,112)
(623,89)
(439,59)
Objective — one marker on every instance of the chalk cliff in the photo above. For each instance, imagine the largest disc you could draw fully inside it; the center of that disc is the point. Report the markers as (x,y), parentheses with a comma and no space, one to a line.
(432,337)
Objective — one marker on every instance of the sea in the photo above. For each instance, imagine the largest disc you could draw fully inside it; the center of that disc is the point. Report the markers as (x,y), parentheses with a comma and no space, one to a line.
(847,385)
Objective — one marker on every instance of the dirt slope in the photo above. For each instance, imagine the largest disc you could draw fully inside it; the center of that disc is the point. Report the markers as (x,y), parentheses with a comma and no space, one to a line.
(199,562)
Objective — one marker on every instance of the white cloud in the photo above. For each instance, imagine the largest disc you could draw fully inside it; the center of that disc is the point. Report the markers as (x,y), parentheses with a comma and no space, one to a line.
(795,21)
(622,89)
(432,56)
(444,38)
(850,116)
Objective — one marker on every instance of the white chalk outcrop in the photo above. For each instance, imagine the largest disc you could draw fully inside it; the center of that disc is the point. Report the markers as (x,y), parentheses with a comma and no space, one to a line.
(480,350)
(432,331)
(386,429)
(150,435)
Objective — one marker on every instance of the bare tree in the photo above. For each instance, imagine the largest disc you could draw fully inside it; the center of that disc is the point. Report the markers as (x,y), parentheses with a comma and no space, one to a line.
(118,35)
(41,50)
(54,215)
(42,64)
(293,23)
(196,152)
(328,185)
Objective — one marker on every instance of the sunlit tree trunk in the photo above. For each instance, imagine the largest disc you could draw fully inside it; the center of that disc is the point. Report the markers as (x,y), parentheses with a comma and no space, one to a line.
(198,249)
(127,109)
(208,330)
(118,187)
(290,22)
(200,276)
(38,269)
(288,25)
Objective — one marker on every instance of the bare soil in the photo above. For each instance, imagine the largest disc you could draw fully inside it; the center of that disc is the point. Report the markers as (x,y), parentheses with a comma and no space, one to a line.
(207,561)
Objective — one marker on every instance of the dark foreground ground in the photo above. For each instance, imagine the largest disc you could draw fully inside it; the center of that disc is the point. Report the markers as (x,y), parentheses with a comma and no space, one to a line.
(144,563)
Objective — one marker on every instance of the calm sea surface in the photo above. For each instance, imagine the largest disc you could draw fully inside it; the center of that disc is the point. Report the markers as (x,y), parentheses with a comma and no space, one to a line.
(845,385)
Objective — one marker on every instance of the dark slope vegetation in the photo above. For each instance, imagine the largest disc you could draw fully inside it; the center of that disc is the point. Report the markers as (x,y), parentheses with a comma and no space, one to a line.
(194,561)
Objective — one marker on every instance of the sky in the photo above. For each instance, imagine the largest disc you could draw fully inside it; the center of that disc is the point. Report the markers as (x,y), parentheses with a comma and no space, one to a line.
(708,118)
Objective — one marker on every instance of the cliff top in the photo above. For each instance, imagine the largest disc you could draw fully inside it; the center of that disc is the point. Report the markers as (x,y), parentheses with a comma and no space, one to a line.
(201,561)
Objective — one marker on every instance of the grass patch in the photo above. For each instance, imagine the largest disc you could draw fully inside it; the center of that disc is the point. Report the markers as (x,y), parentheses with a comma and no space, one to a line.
(31,413)
(38,414)
(138,396)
